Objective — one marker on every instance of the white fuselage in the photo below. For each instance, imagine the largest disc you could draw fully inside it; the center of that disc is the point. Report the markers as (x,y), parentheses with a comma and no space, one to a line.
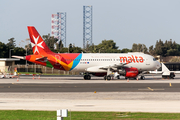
(92,62)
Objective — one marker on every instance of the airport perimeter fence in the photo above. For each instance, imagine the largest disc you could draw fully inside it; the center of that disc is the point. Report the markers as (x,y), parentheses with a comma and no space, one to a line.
(39,69)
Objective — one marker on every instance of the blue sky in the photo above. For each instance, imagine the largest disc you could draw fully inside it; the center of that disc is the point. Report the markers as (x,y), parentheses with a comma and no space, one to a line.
(124,21)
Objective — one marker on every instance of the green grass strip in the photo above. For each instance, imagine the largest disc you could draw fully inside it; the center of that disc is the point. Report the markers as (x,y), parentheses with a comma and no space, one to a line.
(51,115)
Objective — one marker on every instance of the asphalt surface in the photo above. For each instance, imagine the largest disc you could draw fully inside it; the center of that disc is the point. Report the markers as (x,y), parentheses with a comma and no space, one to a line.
(73,93)
(91,87)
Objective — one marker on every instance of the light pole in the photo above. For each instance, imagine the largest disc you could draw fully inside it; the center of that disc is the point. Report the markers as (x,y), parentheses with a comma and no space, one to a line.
(27,48)
(26,62)
(10,53)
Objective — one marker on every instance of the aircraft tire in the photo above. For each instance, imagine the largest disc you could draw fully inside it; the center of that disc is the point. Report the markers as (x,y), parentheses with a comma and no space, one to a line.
(164,77)
(108,77)
(172,75)
(85,77)
(105,77)
(142,78)
(88,77)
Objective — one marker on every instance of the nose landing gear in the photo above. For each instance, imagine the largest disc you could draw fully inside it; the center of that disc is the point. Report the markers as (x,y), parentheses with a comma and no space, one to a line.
(107,77)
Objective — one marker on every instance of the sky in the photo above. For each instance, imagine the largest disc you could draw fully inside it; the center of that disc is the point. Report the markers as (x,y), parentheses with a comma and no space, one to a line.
(124,21)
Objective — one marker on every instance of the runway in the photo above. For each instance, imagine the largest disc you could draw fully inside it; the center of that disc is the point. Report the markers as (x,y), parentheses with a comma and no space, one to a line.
(51,93)
(91,87)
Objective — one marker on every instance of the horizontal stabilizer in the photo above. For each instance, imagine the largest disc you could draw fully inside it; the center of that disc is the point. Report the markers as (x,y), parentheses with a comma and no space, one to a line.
(42,59)
(19,57)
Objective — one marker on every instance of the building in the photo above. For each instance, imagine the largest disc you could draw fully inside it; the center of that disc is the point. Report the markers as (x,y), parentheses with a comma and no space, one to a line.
(6,64)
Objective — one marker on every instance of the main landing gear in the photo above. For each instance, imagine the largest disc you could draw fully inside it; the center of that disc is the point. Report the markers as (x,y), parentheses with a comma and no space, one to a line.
(107,77)
(142,78)
(87,77)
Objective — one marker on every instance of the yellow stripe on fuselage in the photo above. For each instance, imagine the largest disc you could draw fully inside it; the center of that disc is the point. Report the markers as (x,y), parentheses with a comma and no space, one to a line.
(67,67)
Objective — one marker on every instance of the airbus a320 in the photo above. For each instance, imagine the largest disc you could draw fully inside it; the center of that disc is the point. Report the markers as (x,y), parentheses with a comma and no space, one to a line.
(130,65)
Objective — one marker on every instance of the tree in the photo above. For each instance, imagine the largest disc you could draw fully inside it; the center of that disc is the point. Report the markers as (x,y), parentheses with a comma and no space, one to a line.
(11,44)
(168,48)
(70,48)
(125,50)
(134,47)
(64,50)
(106,46)
(92,49)
(59,45)
(29,49)
(50,41)
(173,52)
(76,50)
(158,47)
(174,45)
(139,48)
(151,50)
(4,50)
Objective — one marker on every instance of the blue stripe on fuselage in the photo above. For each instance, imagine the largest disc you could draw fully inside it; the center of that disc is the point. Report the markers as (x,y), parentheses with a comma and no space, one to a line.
(76,61)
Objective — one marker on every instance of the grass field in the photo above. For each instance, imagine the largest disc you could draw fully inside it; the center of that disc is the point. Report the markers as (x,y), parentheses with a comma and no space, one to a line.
(51,115)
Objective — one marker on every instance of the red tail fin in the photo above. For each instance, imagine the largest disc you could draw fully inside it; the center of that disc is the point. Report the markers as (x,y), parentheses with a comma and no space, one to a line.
(38,44)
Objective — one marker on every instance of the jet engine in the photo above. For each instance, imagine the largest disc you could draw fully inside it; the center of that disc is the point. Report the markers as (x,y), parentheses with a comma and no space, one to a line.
(129,72)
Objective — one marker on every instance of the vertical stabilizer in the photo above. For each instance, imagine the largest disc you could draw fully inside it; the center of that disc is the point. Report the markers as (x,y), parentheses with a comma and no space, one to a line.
(37,43)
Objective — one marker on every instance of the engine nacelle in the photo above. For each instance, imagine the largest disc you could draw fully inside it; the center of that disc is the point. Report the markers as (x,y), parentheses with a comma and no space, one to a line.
(131,72)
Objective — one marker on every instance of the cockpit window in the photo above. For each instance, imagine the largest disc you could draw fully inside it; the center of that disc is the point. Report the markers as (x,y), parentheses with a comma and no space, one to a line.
(154,59)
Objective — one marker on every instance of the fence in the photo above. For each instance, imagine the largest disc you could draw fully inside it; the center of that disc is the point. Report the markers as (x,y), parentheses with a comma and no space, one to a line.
(40,69)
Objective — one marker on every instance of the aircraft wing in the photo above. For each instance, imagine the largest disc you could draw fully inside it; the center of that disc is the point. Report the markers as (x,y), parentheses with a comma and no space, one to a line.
(113,66)
(109,68)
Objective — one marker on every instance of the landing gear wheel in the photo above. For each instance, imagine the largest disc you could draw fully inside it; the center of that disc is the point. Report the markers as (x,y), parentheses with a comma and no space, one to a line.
(108,77)
(172,75)
(142,78)
(87,77)
(118,77)
(164,77)
(105,77)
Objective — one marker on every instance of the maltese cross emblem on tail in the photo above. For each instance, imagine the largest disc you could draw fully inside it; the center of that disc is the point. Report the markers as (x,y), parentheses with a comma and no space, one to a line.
(36,45)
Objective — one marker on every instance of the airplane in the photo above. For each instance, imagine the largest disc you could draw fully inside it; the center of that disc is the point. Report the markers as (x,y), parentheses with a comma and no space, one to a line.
(130,65)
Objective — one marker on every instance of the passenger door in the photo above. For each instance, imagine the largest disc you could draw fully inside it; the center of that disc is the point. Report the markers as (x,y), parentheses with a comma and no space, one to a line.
(147,61)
